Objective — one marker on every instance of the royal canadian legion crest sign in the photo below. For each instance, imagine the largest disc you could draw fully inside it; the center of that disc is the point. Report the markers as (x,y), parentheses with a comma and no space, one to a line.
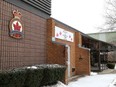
(16,28)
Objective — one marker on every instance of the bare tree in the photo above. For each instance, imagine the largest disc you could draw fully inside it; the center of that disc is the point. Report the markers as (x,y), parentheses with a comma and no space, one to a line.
(110,23)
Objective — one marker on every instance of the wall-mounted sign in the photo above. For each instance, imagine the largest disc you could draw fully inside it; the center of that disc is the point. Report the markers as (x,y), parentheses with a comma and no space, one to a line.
(15,25)
(63,34)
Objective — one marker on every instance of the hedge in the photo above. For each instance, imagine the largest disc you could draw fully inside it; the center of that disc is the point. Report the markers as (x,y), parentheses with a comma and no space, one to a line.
(111,65)
(12,78)
(52,74)
(33,76)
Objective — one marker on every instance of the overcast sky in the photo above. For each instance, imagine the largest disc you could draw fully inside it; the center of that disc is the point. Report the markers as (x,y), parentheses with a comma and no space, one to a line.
(84,15)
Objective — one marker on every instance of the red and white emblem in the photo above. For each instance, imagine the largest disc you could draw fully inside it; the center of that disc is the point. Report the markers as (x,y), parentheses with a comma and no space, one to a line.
(16,28)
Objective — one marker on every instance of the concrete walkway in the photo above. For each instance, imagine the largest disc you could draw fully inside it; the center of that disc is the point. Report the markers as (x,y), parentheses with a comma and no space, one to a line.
(108,71)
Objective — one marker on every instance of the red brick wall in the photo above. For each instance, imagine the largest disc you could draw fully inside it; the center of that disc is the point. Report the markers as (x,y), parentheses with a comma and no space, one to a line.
(82,62)
(55,52)
(82,57)
(28,51)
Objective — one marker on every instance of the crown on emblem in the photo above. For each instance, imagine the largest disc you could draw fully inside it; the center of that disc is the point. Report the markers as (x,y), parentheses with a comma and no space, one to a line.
(17,14)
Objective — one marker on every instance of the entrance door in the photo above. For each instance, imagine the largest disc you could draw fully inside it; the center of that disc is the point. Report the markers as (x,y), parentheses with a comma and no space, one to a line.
(68,58)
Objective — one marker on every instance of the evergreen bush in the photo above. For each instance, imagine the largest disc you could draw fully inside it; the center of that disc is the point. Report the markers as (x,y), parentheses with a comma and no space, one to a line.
(111,65)
(34,76)
(12,78)
(52,74)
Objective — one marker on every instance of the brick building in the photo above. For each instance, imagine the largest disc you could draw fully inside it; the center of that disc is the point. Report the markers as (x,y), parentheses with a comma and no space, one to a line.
(28,36)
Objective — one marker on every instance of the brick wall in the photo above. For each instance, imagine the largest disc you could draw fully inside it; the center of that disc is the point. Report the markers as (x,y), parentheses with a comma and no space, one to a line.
(82,57)
(55,52)
(27,51)
(82,61)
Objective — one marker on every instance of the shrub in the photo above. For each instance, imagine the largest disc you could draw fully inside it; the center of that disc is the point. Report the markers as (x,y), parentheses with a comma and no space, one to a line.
(17,78)
(4,79)
(33,77)
(52,74)
(12,78)
(111,65)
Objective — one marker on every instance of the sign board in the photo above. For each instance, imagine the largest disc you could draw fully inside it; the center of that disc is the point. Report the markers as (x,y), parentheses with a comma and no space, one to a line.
(63,34)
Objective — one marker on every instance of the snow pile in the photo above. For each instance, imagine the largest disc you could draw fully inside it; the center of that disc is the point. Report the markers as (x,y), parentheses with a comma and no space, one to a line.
(60,84)
(32,67)
(93,73)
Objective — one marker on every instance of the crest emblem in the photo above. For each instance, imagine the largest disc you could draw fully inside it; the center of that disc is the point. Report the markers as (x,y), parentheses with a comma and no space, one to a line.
(16,28)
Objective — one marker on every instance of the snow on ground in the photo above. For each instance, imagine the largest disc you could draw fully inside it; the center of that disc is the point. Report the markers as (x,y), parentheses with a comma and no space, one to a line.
(94,81)
(103,80)
(113,84)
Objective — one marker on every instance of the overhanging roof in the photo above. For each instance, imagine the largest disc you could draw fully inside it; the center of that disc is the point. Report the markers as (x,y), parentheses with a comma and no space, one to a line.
(102,46)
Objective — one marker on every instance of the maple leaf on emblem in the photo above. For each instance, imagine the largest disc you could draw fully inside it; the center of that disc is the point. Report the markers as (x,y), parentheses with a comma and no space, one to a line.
(17,26)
